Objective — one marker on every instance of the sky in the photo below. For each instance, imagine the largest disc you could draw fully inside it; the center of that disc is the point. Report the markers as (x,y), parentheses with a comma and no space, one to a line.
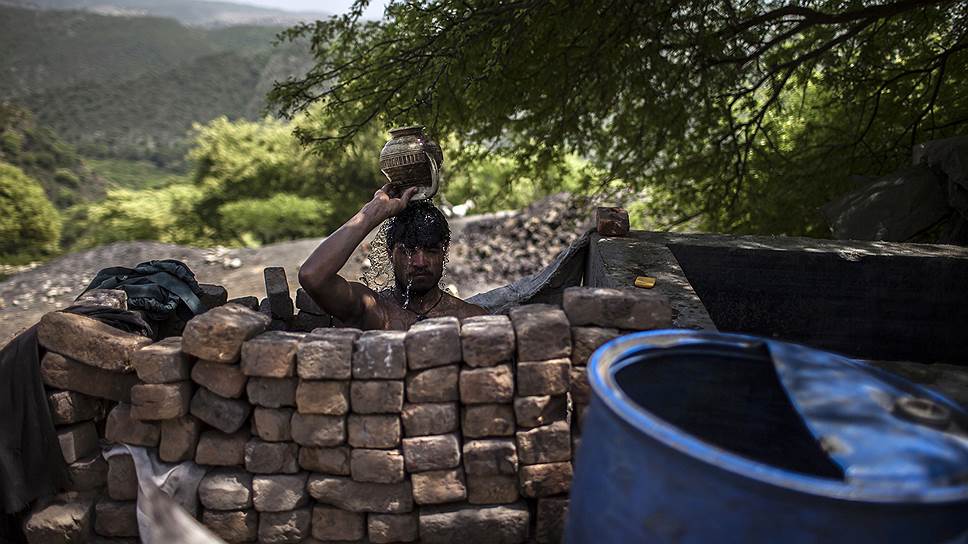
(374,11)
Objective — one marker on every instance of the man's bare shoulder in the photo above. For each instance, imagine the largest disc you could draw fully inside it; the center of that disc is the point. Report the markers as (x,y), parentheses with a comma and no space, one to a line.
(462,309)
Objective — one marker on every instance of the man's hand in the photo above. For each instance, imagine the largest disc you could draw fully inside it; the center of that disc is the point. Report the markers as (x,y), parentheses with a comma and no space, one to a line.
(385,206)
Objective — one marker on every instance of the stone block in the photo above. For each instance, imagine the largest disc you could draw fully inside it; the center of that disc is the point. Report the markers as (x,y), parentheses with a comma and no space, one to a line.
(386,528)
(162,362)
(376,396)
(347,494)
(88,473)
(497,489)
(487,340)
(428,418)
(611,221)
(490,457)
(540,410)
(63,373)
(218,334)
(233,526)
(334,524)
(279,492)
(272,354)
(377,466)
(438,384)
(89,341)
(226,489)
(380,355)
(542,332)
(277,292)
(271,457)
(306,303)
(272,424)
(272,392)
(179,438)
(226,415)
(585,340)
(115,518)
(488,385)
(223,379)
(335,461)
(622,308)
(156,401)
(433,342)
(544,377)
(104,298)
(545,479)
(439,486)
(212,295)
(579,388)
(504,524)
(249,302)
(68,407)
(67,519)
(439,452)
(122,428)
(220,449)
(285,527)
(545,444)
(373,431)
(550,520)
(316,430)
(327,397)
(326,354)
(307,322)
(484,420)
(122,478)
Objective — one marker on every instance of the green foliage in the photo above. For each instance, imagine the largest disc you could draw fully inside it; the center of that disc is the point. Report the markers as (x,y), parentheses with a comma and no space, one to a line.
(282,216)
(29,224)
(131,174)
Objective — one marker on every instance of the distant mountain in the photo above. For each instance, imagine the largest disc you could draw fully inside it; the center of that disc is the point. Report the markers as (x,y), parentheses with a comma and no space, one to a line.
(189,12)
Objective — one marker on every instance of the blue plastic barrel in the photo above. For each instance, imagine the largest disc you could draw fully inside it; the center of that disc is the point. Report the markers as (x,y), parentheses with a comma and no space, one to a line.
(707,437)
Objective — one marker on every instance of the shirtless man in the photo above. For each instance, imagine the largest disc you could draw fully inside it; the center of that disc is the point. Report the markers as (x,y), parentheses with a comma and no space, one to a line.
(417,240)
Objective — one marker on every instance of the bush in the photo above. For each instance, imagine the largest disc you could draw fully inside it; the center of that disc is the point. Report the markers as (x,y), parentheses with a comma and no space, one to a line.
(282,216)
(29,224)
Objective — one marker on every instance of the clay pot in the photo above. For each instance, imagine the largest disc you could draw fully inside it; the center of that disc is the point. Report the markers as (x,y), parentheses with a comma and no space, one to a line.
(411,159)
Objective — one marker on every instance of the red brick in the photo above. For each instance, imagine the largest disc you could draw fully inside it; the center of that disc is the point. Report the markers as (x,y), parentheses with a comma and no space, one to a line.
(490,457)
(279,492)
(89,341)
(376,396)
(468,524)
(612,221)
(433,384)
(386,528)
(271,354)
(220,449)
(489,385)
(68,407)
(162,362)
(344,493)
(540,410)
(77,441)
(156,401)
(546,444)
(223,379)
(63,373)
(439,486)
(272,424)
(487,340)
(334,461)
(433,342)
(428,418)
(122,478)
(272,392)
(179,438)
(545,479)
(543,377)
(423,453)
(542,332)
(333,524)
(377,466)
(326,354)
(226,415)
(624,308)
(122,428)
(373,431)
(218,334)
(226,489)
(318,430)
(271,457)
(380,355)
(499,489)
(483,420)
(233,526)
(323,397)
(585,340)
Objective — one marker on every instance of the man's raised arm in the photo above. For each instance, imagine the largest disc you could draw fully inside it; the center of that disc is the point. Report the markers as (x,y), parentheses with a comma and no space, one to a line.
(351,302)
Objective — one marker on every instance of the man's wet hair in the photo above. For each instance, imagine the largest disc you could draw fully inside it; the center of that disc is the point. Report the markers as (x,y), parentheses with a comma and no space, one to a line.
(420,224)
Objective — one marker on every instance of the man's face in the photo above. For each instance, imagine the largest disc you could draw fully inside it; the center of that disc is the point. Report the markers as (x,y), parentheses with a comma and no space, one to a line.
(423,266)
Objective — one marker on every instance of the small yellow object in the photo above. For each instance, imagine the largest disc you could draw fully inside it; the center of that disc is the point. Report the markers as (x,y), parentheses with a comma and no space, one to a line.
(645,282)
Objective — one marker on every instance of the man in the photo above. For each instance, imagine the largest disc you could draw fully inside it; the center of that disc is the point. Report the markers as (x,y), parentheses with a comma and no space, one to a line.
(417,241)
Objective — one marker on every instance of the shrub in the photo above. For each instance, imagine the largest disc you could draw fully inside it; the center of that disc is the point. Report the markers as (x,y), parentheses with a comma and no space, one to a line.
(29,224)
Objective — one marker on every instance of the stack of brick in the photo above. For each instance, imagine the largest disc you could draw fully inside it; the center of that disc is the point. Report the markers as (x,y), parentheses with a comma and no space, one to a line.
(310,316)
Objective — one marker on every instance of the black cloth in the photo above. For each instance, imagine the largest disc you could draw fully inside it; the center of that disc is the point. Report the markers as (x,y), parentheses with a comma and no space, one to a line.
(162,288)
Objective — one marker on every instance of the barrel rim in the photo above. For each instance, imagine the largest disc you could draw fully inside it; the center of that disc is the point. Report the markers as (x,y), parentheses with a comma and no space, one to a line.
(601,375)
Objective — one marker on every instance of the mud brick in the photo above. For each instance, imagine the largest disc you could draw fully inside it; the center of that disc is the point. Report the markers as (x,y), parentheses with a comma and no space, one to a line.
(222,379)
(265,308)
(115,518)
(68,407)
(278,325)
(89,341)
(334,524)
(543,377)
(226,415)
(344,493)
(67,519)
(249,302)
(285,527)
(63,373)
(179,437)
(272,392)
(496,489)
(585,340)
(220,449)
(377,466)
(376,396)
(433,342)
(380,355)
(542,332)
(490,457)
(156,401)
(122,428)
(88,473)
(232,527)
(323,397)
(428,418)
(306,303)
(423,453)
(334,461)
(318,430)
(483,420)
(540,410)
(212,295)
(507,524)
(272,424)
(386,528)
(439,486)
(277,292)
(487,340)
(122,478)
(218,334)
(545,479)
(279,492)
(271,457)
(105,298)
(546,444)
(489,385)
(307,322)
(579,388)
(77,440)
(623,308)
(272,354)
(226,489)
(162,362)
(326,354)
(612,221)
(438,384)
(373,431)
(550,523)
